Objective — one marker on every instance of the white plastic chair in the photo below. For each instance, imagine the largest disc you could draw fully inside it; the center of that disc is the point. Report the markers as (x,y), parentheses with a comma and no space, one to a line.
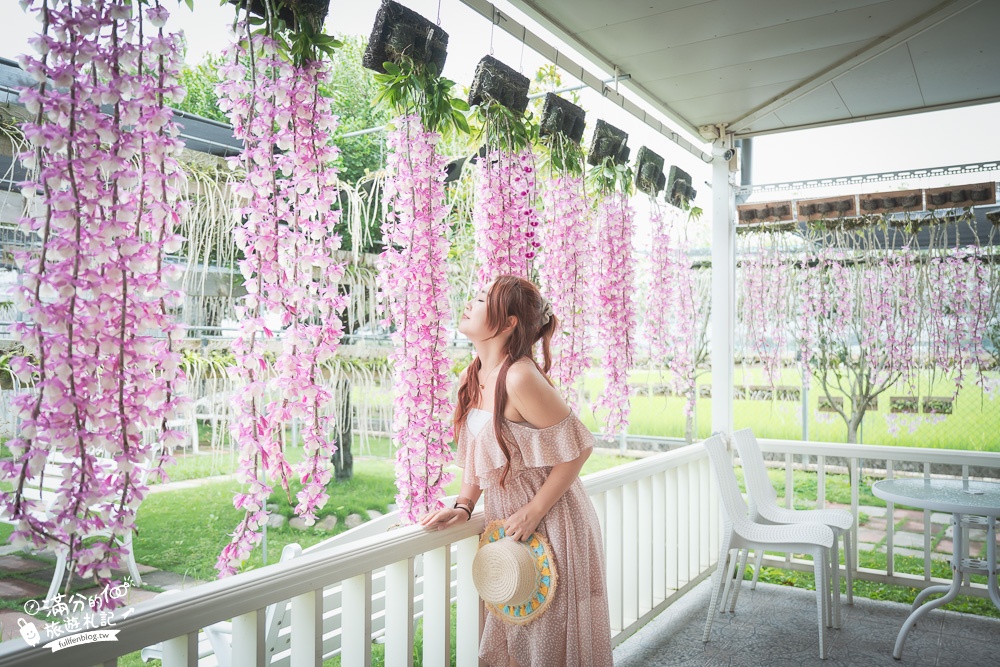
(739,532)
(764,508)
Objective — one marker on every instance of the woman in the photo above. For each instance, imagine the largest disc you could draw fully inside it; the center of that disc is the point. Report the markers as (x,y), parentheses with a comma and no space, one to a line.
(519,442)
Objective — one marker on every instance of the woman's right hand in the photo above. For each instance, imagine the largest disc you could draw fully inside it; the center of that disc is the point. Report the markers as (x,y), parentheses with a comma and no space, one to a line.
(446,518)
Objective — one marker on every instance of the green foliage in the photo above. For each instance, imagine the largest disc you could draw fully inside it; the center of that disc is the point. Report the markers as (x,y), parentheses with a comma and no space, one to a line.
(199,82)
(351,91)
(609,176)
(561,156)
(299,43)
(411,88)
(503,129)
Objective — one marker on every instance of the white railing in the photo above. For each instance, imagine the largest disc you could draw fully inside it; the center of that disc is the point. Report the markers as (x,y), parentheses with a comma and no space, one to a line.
(859,461)
(659,518)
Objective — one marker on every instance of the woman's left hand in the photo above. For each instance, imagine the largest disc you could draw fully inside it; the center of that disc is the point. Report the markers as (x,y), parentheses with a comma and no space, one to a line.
(522,523)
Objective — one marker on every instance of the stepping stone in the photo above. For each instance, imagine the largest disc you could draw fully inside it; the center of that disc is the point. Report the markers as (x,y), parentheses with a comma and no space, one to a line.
(912,526)
(327,523)
(276,521)
(945,547)
(11,629)
(871,536)
(353,521)
(21,564)
(12,589)
(905,539)
(374,514)
(903,551)
(876,512)
(298,523)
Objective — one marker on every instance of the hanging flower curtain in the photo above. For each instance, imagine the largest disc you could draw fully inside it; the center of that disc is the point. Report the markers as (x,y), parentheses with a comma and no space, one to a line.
(566,264)
(290,275)
(413,273)
(103,205)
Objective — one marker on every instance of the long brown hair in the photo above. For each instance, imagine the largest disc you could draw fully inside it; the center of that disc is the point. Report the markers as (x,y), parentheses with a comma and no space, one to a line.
(509,296)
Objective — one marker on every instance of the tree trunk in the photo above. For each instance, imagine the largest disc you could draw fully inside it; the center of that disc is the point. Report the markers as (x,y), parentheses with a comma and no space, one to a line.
(852,428)
(343,459)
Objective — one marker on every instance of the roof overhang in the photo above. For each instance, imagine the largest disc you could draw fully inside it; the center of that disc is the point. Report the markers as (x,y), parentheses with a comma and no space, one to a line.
(756,67)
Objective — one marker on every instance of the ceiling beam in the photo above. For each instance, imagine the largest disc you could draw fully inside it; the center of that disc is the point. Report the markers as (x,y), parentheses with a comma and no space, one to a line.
(592,80)
(939,14)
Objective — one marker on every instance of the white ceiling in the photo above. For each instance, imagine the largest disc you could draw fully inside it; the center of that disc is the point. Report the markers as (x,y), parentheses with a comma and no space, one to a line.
(762,66)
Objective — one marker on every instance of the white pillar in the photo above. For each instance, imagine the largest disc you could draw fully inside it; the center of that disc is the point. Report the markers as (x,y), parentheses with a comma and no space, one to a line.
(723,288)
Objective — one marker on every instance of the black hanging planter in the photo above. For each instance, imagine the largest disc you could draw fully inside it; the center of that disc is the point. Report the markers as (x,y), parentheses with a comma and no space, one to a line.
(608,142)
(400,31)
(292,12)
(560,116)
(679,188)
(499,83)
(649,175)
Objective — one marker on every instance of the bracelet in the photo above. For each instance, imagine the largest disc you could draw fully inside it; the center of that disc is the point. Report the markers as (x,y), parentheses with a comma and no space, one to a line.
(464,509)
(462,500)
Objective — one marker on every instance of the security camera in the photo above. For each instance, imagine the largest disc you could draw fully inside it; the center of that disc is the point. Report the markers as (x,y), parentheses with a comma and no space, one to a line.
(728,155)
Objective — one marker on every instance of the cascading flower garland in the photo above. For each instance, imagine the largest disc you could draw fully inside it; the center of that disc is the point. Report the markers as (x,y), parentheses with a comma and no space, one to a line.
(104,205)
(414,285)
(504,214)
(290,275)
(765,294)
(565,273)
(616,320)
(672,307)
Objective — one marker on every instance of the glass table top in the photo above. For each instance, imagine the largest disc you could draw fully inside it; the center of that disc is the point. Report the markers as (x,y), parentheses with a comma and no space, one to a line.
(943,495)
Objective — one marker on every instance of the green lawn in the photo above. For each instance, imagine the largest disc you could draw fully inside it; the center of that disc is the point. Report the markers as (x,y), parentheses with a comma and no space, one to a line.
(974,424)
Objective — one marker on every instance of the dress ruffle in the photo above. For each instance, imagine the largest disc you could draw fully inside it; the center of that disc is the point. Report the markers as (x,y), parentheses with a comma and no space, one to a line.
(535,448)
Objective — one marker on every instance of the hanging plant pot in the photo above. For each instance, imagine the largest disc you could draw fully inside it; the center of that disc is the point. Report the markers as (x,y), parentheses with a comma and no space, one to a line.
(561,116)
(904,404)
(293,12)
(679,188)
(608,142)
(499,83)
(401,32)
(649,175)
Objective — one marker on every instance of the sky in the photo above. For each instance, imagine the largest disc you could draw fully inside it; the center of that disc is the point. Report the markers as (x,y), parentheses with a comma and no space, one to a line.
(942,138)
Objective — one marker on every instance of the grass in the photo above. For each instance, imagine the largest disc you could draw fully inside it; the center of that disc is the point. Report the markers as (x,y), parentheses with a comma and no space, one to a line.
(974,424)
(184,530)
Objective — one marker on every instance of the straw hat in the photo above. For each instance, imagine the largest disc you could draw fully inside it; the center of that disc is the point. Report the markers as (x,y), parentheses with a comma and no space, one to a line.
(515,579)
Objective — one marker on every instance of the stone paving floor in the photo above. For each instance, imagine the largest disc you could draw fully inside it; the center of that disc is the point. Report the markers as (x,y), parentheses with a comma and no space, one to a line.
(775,626)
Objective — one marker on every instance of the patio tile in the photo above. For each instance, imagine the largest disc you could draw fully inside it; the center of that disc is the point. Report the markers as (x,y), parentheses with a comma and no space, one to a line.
(953,651)
(781,631)
(968,626)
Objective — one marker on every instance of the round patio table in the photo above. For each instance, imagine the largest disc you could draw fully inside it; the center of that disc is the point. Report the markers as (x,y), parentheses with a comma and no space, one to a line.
(971,504)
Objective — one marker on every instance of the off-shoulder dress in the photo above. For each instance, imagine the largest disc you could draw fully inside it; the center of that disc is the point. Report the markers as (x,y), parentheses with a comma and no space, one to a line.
(575,629)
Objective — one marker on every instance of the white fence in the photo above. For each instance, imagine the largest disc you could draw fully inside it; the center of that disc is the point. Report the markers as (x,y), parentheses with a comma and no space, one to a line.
(659,516)
(859,461)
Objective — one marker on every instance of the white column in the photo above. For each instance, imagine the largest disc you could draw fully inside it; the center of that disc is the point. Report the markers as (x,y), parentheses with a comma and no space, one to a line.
(723,289)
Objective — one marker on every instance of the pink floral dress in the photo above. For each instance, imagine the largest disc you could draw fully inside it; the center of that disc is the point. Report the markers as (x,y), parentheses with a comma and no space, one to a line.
(575,629)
